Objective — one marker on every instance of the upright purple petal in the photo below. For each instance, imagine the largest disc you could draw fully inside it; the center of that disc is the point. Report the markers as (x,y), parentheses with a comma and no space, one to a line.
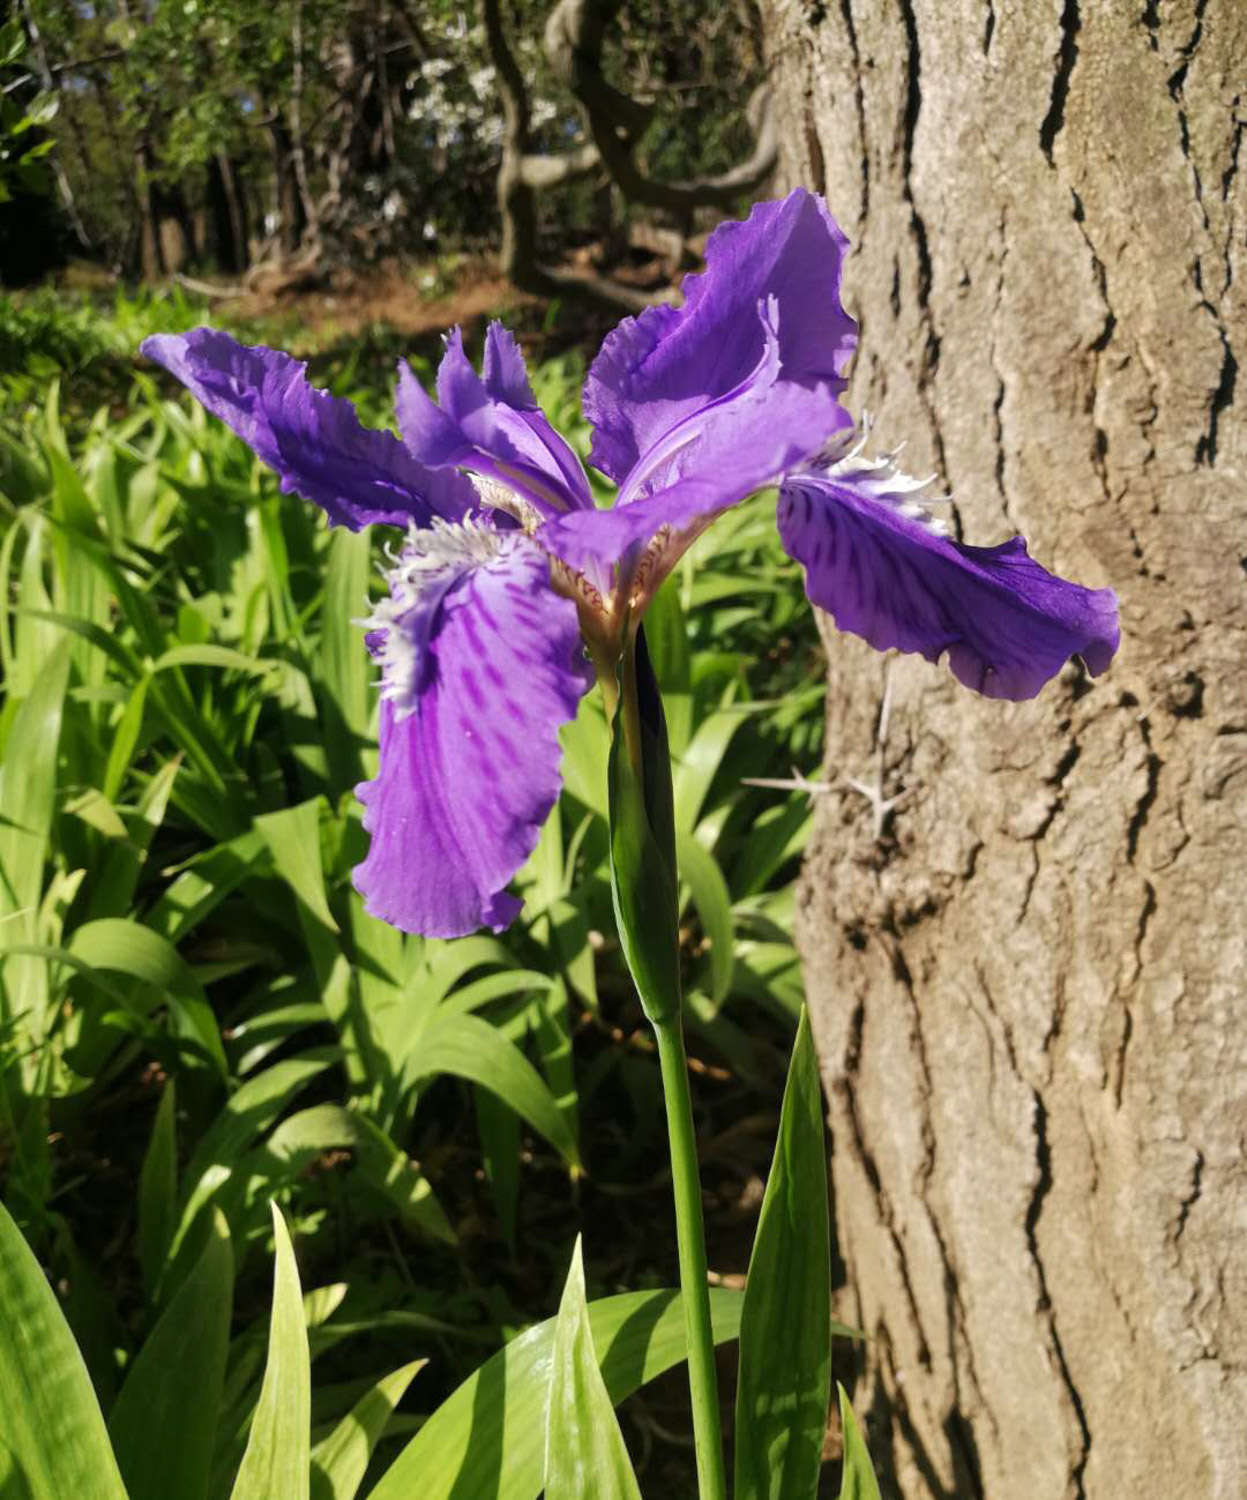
(875,563)
(312,440)
(492,426)
(505,375)
(658,369)
(735,448)
(469,765)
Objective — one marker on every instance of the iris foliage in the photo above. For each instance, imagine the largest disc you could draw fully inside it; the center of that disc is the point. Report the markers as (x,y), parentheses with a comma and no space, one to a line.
(199,1020)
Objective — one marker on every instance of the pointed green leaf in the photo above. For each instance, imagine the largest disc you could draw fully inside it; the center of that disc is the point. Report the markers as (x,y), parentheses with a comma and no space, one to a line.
(163,1423)
(785,1330)
(158,1191)
(277,1458)
(342,661)
(124,947)
(249,1112)
(585,743)
(340,1460)
(28,769)
(487,1438)
(700,871)
(643,878)
(389,1170)
(112,889)
(293,838)
(857,1478)
(499,1130)
(700,763)
(50,1421)
(585,1452)
(470,1048)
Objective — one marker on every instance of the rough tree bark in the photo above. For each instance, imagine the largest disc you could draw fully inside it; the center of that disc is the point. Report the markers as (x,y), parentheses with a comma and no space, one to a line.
(1027,976)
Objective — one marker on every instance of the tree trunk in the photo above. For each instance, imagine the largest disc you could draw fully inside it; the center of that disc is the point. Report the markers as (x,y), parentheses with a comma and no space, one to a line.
(291,218)
(151,263)
(1026,979)
(228,215)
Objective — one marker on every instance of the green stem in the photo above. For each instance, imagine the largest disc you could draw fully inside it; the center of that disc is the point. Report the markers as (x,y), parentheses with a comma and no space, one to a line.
(694,1284)
(643,883)
(631,712)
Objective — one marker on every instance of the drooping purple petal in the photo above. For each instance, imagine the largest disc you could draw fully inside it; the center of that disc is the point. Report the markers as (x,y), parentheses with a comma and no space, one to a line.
(658,369)
(492,426)
(313,441)
(1007,624)
(469,764)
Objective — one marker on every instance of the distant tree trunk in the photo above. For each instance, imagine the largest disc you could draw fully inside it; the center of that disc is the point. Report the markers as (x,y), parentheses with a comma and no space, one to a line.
(151,265)
(1027,981)
(291,218)
(228,215)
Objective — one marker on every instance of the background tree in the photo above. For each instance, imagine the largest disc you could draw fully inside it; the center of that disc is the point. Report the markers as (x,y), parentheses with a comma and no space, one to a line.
(1027,958)
(215,134)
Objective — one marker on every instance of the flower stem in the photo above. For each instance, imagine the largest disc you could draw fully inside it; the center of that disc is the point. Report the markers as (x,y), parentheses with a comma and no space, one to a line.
(644,888)
(631,712)
(694,1285)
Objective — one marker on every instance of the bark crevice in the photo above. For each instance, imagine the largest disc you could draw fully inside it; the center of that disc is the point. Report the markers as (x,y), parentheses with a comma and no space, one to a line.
(1025,983)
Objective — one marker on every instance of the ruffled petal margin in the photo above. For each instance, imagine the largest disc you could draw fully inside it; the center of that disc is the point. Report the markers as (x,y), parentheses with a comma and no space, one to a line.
(469,775)
(312,440)
(492,426)
(739,446)
(1007,624)
(657,370)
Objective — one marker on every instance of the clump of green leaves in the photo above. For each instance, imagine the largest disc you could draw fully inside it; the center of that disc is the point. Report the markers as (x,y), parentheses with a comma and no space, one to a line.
(185,966)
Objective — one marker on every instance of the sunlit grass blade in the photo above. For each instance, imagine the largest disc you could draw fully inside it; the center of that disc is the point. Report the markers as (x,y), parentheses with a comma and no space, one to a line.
(342,664)
(857,1477)
(116,945)
(50,1420)
(488,1437)
(277,1457)
(700,871)
(551,1027)
(470,1048)
(585,1452)
(586,746)
(340,1460)
(784,1386)
(111,892)
(293,839)
(386,1168)
(28,772)
(696,768)
(163,1423)
(250,1111)
(201,887)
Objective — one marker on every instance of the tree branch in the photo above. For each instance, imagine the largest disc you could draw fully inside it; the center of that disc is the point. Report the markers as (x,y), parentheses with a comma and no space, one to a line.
(522,172)
(574,37)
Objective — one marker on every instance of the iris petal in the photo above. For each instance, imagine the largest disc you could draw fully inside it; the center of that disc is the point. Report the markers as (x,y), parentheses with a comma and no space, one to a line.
(1007,624)
(658,369)
(739,447)
(314,441)
(469,773)
(492,426)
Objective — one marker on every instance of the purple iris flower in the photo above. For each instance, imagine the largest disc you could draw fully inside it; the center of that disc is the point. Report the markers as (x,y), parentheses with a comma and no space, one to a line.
(510,584)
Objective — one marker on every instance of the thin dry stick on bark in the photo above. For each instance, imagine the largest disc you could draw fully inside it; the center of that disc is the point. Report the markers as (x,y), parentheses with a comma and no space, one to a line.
(1028,997)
